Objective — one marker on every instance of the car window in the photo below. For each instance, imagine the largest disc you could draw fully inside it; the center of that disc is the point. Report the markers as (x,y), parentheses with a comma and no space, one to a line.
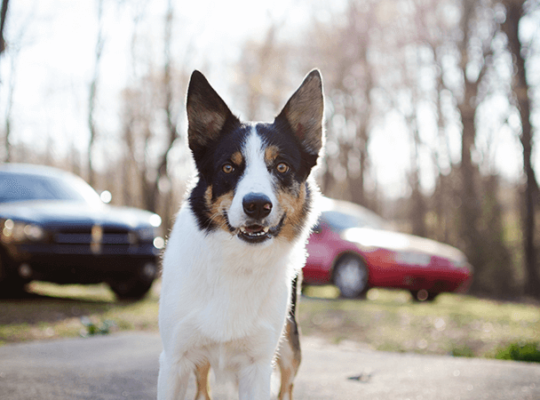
(341,221)
(24,187)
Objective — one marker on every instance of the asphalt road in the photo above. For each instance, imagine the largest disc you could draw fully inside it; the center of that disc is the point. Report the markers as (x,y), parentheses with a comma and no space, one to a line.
(125,366)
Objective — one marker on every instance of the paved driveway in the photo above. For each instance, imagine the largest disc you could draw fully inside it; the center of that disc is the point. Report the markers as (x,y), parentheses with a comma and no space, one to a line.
(125,366)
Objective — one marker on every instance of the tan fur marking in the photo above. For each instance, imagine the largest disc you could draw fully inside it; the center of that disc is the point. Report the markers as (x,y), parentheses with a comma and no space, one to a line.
(292,202)
(203,386)
(217,207)
(288,361)
(208,196)
(237,158)
(286,378)
(270,154)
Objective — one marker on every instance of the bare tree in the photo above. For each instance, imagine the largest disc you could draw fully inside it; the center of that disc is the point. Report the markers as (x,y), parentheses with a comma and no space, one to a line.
(7,126)
(468,106)
(469,43)
(3,16)
(362,26)
(515,9)
(261,84)
(171,113)
(150,119)
(344,51)
(17,40)
(100,42)
(14,53)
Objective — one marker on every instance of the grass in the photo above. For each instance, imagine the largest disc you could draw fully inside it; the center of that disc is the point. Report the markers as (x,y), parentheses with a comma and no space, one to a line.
(53,311)
(387,320)
(529,352)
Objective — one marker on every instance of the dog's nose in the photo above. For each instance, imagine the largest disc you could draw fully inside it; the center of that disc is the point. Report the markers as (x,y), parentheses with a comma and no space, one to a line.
(257,205)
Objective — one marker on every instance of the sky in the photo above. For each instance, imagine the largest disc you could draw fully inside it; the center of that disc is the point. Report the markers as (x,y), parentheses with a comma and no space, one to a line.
(56,59)
(55,62)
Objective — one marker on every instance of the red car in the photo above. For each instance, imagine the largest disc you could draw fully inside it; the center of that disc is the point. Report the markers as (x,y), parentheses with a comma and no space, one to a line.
(351,249)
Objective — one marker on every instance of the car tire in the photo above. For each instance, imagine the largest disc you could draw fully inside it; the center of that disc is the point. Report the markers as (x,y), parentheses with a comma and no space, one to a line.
(12,289)
(130,289)
(351,276)
(11,286)
(423,295)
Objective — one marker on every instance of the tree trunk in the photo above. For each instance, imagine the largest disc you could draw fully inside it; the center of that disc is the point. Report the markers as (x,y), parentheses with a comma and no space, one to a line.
(358,191)
(470,211)
(520,86)
(357,183)
(171,116)
(470,208)
(92,97)
(14,55)
(3,15)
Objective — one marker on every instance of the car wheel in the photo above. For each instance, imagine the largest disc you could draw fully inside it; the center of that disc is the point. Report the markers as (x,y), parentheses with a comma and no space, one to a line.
(130,289)
(11,286)
(423,295)
(12,289)
(351,276)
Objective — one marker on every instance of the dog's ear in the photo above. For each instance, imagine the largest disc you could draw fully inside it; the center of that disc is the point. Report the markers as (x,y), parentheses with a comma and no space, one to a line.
(305,112)
(207,113)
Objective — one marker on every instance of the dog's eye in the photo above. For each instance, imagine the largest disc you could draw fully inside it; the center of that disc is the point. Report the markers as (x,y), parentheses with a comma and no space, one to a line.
(282,168)
(227,168)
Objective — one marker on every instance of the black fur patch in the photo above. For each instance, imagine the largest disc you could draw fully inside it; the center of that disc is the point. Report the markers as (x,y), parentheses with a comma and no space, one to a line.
(209,161)
(280,134)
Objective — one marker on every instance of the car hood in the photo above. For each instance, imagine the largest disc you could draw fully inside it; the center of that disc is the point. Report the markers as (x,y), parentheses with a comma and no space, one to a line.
(60,213)
(396,241)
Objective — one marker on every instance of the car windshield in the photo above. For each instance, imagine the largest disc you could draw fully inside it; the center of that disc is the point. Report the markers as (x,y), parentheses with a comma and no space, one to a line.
(340,221)
(25,187)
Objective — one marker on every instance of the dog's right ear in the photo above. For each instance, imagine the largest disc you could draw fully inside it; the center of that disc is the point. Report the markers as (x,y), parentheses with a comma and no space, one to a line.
(207,113)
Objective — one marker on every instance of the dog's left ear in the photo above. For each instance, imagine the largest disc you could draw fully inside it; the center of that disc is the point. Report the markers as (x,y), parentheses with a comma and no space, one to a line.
(305,112)
(207,113)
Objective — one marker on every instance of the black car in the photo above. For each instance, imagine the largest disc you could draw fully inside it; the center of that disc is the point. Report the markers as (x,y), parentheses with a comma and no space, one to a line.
(55,227)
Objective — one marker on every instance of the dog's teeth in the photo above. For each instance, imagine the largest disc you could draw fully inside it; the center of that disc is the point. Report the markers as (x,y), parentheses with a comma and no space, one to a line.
(246,231)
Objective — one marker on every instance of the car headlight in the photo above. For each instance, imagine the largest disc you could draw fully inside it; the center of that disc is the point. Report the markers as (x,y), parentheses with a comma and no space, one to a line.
(460,263)
(159,243)
(17,231)
(412,258)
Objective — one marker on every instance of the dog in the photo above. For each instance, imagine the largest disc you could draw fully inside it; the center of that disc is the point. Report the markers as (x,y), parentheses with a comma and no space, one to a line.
(232,261)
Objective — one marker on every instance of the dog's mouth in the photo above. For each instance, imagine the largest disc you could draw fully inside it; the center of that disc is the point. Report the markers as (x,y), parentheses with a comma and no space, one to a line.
(254,233)
(257,233)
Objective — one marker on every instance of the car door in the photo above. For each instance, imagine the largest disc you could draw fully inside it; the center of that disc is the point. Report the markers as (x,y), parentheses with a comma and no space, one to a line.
(320,256)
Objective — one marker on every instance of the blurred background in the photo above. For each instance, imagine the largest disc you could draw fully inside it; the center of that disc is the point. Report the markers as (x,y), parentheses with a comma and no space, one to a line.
(432,106)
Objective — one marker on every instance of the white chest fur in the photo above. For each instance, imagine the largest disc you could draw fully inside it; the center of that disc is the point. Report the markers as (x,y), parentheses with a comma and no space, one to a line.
(219,290)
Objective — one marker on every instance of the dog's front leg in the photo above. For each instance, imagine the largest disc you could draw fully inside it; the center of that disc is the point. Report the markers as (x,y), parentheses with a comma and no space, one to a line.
(201,376)
(172,380)
(254,381)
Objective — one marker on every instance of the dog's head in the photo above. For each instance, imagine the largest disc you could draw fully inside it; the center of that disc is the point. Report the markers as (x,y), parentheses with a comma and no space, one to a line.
(253,176)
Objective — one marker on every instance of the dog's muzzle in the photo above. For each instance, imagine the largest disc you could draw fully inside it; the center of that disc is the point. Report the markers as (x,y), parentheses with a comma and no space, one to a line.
(256,229)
